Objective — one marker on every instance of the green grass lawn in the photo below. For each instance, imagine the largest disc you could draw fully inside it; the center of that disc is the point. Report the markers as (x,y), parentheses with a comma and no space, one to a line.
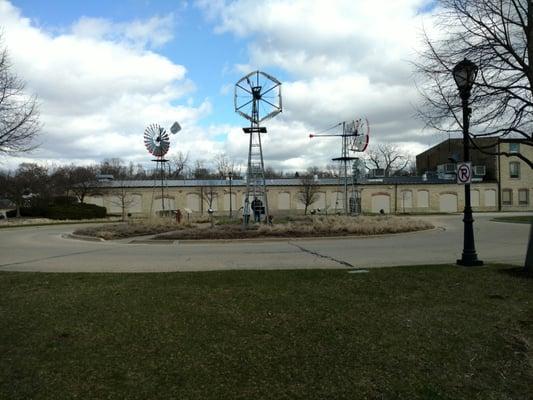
(394,333)
(524,219)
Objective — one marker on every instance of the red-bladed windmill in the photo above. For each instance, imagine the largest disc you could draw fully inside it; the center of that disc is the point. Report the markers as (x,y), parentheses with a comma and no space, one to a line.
(355,136)
(157,142)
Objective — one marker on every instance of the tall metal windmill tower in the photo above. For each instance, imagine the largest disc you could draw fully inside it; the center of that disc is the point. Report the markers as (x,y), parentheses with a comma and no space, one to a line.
(355,136)
(257,98)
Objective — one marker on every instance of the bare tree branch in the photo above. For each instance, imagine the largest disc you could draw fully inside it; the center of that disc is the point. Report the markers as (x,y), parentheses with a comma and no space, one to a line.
(19,115)
(498,36)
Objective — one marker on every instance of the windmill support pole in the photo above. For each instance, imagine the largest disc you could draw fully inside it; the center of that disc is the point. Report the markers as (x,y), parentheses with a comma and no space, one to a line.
(265,196)
(162,185)
(345,161)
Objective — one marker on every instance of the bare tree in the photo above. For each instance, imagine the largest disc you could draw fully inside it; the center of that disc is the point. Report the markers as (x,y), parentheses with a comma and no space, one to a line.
(122,198)
(19,115)
(224,165)
(308,194)
(113,166)
(323,172)
(388,157)
(209,196)
(25,187)
(12,189)
(314,170)
(271,173)
(498,36)
(179,165)
(82,180)
(70,179)
(332,170)
(200,170)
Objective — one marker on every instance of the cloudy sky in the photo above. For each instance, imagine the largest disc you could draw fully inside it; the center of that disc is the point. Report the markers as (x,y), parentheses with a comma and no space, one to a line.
(104,70)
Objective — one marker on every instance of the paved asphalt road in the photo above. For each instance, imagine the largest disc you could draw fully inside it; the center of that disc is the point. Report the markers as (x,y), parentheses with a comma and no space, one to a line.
(45,249)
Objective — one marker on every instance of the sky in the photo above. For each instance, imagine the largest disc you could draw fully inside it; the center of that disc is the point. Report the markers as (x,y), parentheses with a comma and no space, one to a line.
(103,71)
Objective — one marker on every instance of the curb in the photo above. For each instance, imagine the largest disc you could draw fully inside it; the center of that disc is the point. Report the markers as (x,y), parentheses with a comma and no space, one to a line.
(245,240)
(281,239)
(152,241)
(82,237)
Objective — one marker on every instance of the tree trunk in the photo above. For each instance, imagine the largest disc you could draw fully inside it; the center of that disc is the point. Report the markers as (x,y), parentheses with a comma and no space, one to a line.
(18,210)
(528,265)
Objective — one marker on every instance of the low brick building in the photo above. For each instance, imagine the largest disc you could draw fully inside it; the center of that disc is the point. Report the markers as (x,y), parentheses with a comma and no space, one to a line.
(512,176)
(505,184)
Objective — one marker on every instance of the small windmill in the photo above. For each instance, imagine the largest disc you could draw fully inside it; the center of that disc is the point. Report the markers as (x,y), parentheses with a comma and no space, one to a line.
(157,142)
(355,136)
(257,98)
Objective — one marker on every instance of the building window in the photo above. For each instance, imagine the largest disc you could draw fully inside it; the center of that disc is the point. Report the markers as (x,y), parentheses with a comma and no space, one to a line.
(514,147)
(514,169)
(507,197)
(523,197)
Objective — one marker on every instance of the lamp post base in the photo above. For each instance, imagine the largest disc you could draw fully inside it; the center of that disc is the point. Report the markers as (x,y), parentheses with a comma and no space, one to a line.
(470,262)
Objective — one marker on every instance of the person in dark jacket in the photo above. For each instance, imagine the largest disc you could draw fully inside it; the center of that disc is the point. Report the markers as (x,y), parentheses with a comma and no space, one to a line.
(257,207)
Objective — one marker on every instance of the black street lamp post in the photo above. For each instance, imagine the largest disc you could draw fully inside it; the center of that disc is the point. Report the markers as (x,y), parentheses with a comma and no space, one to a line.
(230,176)
(464,74)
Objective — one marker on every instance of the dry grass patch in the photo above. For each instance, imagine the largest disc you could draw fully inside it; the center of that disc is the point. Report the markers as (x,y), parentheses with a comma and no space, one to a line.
(131,229)
(305,227)
(341,225)
(317,226)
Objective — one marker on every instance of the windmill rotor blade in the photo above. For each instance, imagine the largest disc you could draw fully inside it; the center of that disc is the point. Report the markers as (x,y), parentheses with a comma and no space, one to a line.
(269,90)
(244,105)
(156,140)
(271,78)
(257,81)
(273,105)
(243,88)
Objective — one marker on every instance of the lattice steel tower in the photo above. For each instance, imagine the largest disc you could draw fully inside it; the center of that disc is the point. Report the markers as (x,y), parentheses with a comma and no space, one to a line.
(355,136)
(257,98)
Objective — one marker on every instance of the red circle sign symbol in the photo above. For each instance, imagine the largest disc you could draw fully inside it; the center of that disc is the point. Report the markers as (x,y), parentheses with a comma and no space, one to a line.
(463,173)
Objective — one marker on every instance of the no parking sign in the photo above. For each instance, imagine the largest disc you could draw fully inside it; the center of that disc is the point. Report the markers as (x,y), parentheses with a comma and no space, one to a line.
(464,173)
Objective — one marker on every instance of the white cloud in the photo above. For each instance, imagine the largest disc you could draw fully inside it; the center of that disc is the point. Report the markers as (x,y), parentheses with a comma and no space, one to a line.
(153,32)
(344,59)
(100,83)
(99,86)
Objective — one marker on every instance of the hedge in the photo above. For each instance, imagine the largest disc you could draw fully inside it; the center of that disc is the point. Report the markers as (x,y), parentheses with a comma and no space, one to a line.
(62,211)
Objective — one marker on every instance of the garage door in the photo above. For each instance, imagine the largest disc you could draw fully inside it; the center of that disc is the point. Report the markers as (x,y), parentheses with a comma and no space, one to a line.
(448,202)
(380,202)
(490,198)
(193,201)
(233,201)
(320,201)
(422,200)
(335,201)
(474,198)
(135,203)
(168,202)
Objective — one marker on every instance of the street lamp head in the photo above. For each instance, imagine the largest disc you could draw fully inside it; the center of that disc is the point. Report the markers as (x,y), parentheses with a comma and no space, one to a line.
(230,174)
(464,74)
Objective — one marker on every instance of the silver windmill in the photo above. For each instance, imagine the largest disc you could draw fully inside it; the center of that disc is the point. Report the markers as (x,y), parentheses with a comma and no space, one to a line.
(257,98)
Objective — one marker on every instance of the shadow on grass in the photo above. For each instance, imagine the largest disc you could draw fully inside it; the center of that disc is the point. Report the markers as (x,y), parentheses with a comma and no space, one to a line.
(517,272)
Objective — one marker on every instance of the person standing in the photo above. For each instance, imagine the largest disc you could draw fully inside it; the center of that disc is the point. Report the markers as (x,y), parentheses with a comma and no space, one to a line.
(257,207)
